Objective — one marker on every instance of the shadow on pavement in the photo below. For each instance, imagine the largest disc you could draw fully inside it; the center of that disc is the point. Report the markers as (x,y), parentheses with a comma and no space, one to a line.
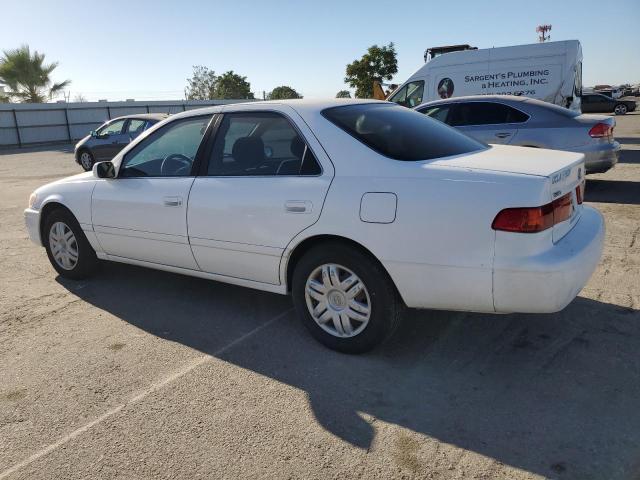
(49,147)
(629,156)
(628,140)
(613,191)
(556,395)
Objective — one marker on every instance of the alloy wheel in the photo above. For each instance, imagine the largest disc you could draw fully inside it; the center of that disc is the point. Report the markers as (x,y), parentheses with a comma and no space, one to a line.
(85,160)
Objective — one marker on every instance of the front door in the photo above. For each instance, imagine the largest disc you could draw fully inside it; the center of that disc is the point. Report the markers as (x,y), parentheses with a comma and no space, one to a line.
(106,144)
(142,213)
(262,186)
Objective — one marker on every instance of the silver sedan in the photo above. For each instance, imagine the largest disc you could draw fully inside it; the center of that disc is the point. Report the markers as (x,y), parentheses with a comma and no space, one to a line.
(527,122)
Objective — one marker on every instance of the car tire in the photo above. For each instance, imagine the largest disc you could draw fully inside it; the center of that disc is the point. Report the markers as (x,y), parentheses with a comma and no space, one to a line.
(620,109)
(67,246)
(86,160)
(361,305)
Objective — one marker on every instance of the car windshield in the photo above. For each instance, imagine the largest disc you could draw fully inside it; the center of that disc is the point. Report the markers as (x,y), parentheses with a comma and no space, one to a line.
(400,133)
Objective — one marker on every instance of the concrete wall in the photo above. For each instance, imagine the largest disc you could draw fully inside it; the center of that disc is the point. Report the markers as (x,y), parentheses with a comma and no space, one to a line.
(34,123)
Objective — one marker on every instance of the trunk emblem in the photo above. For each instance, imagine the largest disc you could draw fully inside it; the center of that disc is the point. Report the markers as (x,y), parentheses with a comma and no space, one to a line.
(557,177)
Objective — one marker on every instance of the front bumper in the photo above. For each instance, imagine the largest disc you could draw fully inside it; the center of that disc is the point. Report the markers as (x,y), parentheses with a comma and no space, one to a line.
(601,157)
(549,281)
(32,222)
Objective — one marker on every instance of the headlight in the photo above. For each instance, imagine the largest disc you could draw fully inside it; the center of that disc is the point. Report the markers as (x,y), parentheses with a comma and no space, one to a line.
(32,199)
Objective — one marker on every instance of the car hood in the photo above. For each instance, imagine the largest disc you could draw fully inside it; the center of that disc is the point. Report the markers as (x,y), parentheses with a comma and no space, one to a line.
(79,178)
(519,160)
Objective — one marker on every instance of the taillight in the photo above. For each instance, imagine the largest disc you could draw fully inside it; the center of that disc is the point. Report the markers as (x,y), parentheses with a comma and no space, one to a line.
(534,219)
(601,130)
(580,192)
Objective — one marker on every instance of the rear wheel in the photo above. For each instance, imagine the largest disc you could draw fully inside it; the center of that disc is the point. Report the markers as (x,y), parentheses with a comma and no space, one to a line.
(67,247)
(345,298)
(86,160)
(620,109)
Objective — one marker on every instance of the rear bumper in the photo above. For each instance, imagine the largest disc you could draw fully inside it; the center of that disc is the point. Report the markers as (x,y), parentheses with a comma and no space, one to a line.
(548,281)
(32,222)
(601,157)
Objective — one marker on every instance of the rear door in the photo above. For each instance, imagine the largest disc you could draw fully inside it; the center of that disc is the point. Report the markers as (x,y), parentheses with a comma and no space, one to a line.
(488,122)
(264,181)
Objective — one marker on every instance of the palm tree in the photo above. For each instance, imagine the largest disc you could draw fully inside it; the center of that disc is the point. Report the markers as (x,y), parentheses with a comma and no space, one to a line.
(27,76)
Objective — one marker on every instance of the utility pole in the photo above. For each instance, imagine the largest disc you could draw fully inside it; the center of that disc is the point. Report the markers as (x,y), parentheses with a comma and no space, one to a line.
(543,30)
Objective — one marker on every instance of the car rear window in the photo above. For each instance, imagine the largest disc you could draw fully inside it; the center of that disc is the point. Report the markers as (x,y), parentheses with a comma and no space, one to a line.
(400,133)
(565,112)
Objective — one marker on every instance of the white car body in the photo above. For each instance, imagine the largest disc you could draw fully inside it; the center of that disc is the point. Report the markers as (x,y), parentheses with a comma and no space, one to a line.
(429,223)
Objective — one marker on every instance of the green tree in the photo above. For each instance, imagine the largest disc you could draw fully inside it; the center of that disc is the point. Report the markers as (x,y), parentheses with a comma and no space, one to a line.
(28,77)
(201,86)
(282,93)
(230,85)
(379,63)
(343,94)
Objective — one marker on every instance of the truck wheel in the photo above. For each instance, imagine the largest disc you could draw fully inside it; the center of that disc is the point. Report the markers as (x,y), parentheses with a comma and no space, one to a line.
(345,298)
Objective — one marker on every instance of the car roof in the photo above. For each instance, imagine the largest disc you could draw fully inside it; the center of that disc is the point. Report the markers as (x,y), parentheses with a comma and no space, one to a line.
(299,105)
(144,116)
(475,98)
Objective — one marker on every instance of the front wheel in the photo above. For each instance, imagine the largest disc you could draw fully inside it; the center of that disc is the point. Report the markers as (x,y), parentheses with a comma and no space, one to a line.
(67,247)
(620,109)
(345,298)
(86,160)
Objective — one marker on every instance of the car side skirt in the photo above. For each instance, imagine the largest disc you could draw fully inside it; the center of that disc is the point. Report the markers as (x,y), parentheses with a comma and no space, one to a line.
(267,287)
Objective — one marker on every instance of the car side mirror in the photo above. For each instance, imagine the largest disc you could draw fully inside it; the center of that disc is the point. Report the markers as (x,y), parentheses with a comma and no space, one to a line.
(93,133)
(104,170)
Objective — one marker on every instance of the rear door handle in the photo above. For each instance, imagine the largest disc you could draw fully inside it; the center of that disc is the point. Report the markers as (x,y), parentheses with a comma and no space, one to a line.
(298,206)
(503,134)
(172,201)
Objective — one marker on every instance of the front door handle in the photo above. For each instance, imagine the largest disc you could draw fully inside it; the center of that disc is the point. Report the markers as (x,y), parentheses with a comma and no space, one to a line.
(503,134)
(172,201)
(298,206)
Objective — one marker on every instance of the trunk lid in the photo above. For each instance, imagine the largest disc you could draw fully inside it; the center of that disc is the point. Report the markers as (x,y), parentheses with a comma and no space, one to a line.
(519,160)
(563,172)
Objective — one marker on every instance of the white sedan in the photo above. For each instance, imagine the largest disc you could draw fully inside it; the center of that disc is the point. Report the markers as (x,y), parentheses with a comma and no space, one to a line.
(356,208)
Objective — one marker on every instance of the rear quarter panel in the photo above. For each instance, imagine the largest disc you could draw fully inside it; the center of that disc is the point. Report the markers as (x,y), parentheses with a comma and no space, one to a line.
(439,250)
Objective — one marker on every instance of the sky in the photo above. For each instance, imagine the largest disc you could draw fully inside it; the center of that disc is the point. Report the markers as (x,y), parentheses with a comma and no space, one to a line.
(146,49)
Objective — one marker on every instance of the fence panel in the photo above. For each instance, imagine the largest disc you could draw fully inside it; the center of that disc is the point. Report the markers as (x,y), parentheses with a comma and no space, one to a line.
(28,124)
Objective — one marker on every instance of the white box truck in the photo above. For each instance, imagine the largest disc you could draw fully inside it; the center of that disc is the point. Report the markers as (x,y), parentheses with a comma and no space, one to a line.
(550,71)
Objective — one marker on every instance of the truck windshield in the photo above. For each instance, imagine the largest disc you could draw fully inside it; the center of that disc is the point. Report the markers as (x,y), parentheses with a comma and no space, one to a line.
(399,133)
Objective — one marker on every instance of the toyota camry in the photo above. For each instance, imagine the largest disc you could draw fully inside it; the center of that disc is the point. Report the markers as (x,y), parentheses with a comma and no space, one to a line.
(355,208)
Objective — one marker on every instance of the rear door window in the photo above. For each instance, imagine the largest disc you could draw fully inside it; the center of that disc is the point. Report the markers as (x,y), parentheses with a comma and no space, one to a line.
(260,144)
(135,127)
(485,113)
(400,133)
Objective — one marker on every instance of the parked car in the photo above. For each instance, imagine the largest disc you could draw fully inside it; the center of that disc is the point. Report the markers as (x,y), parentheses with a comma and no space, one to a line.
(598,103)
(111,137)
(353,207)
(530,123)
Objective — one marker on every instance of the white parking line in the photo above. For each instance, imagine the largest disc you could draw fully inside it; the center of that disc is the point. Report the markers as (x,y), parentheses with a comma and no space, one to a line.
(151,389)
